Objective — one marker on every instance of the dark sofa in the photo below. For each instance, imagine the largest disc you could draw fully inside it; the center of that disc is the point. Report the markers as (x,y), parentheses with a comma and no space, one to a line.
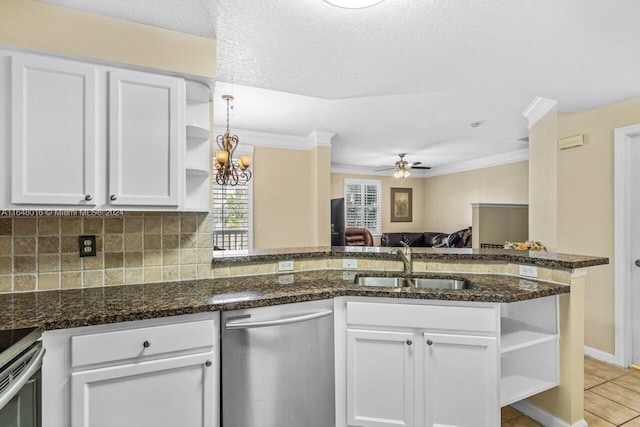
(429,239)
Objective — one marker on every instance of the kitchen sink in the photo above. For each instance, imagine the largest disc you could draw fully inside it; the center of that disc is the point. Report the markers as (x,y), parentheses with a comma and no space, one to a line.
(418,282)
(430,283)
(390,282)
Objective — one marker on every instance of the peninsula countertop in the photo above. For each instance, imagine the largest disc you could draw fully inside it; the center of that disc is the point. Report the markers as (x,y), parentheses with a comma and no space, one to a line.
(93,306)
(538,258)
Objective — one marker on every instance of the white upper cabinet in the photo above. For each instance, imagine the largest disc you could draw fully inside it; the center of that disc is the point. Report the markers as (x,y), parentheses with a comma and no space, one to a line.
(77,135)
(145,147)
(53,132)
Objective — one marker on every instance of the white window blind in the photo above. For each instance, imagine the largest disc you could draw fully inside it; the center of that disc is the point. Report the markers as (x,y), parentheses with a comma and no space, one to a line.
(363,204)
(232,216)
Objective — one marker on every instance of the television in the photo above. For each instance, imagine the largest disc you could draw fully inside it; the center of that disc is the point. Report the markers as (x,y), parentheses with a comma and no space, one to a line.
(337,222)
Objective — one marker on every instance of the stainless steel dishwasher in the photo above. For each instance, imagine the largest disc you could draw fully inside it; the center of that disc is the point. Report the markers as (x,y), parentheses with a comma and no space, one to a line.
(278,366)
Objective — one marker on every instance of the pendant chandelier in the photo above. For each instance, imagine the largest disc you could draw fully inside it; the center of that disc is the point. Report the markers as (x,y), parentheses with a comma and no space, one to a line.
(229,172)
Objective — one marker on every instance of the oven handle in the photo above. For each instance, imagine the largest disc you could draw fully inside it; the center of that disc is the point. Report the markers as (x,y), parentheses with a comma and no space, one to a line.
(286,321)
(18,383)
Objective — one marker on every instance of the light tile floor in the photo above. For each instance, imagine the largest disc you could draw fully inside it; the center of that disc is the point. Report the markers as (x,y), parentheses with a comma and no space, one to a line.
(611,398)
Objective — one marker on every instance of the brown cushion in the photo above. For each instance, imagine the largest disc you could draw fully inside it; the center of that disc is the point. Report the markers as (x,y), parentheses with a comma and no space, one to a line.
(355,236)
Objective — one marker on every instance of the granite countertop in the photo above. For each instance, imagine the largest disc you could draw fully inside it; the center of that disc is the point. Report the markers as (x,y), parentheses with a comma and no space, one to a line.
(542,259)
(93,306)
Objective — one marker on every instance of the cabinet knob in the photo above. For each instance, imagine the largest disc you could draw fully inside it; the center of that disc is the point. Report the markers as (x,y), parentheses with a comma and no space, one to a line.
(113,197)
(637,263)
(429,342)
(88,197)
(146,344)
(409,342)
(208,363)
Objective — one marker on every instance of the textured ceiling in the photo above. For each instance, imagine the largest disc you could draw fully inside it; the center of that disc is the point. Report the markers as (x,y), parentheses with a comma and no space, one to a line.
(188,16)
(406,75)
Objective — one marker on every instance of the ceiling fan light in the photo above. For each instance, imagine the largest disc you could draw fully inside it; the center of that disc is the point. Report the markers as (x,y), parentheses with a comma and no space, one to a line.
(353,4)
(397,174)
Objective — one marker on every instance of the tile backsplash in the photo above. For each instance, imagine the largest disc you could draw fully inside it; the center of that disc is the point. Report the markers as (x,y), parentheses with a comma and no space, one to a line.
(40,252)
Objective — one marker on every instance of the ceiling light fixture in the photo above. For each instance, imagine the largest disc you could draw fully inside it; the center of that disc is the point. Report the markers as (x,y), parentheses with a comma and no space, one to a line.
(229,172)
(402,169)
(353,4)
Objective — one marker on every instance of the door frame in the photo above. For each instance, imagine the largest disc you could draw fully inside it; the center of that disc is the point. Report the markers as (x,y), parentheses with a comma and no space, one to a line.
(622,247)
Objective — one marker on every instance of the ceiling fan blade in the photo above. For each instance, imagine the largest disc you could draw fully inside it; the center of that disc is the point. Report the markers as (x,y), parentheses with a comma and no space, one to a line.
(421,167)
(386,168)
(414,164)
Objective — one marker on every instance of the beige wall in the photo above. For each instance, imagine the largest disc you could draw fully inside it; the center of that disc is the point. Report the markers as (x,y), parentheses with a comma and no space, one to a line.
(448,198)
(543,181)
(35,25)
(499,224)
(320,194)
(585,211)
(291,204)
(388,182)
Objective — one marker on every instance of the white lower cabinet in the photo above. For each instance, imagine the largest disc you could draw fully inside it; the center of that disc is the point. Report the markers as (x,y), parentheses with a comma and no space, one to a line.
(380,378)
(152,373)
(460,380)
(441,364)
(161,393)
(420,379)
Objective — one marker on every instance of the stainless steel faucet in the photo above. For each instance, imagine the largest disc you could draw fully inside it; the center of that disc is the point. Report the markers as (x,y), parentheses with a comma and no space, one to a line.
(405,255)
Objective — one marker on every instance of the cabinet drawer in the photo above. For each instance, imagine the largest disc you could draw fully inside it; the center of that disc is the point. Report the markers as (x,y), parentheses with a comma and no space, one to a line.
(434,317)
(133,343)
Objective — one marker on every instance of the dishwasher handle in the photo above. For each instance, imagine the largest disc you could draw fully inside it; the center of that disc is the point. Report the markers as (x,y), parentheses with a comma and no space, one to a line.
(277,322)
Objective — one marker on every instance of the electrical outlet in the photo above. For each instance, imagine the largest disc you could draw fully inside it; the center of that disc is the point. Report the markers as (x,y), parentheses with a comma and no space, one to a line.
(349,263)
(285,265)
(348,275)
(87,245)
(528,270)
(286,279)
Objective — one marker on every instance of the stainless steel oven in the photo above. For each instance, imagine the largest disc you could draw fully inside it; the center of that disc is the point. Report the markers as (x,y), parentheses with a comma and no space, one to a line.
(21,354)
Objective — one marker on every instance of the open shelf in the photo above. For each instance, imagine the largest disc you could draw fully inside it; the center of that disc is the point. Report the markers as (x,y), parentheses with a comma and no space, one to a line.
(197,172)
(514,388)
(197,133)
(529,370)
(197,92)
(197,154)
(516,335)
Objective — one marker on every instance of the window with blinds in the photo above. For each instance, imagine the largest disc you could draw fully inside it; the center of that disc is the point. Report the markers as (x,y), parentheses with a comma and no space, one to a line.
(363,204)
(231,216)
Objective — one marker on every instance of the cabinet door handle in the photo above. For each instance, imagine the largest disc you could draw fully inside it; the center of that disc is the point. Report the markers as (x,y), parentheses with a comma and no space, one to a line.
(409,342)
(88,197)
(429,342)
(146,344)
(113,197)
(208,363)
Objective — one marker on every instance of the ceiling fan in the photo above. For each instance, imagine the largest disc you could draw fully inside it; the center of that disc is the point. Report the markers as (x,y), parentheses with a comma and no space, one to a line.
(402,167)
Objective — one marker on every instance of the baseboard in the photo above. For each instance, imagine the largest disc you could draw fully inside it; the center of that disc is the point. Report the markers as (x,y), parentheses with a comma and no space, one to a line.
(602,356)
(543,417)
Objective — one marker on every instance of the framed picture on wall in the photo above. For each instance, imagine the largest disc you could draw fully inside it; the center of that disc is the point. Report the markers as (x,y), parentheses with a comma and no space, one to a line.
(401,205)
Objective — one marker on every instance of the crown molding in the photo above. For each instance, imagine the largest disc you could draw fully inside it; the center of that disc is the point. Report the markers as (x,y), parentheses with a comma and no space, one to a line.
(537,109)
(316,138)
(484,162)
(320,138)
